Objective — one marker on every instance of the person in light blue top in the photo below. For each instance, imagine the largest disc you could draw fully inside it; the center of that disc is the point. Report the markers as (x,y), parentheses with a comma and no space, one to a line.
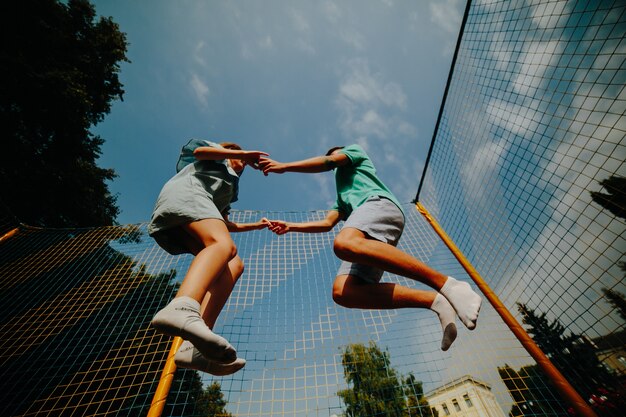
(191,216)
(374,221)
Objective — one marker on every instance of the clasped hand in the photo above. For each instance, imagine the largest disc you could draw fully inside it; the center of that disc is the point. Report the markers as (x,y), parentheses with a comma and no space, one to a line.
(268,165)
(277,226)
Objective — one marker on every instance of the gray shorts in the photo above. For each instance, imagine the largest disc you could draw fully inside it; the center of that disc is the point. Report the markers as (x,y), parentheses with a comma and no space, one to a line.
(380,219)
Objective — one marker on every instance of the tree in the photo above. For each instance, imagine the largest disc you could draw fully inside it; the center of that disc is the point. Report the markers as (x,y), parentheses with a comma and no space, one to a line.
(417,405)
(376,388)
(574,357)
(212,402)
(617,300)
(60,70)
(530,390)
(198,401)
(615,198)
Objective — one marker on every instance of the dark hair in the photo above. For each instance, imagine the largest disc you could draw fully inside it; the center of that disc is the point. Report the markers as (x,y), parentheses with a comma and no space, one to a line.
(333,149)
(230,145)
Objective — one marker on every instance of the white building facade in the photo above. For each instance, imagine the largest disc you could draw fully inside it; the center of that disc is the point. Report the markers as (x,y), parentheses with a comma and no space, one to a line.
(465,397)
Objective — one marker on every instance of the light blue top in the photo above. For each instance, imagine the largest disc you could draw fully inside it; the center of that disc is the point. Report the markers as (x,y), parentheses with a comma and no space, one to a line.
(201,189)
(218,169)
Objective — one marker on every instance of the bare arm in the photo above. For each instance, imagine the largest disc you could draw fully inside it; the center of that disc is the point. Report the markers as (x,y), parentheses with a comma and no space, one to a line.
(320,226)
(309,166)
(246,227)
(210,153)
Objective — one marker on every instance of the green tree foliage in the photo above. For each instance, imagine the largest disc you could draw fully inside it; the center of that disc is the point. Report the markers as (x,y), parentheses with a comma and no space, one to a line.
(571,354)
(376,388)
(417,405)
(212,402)
(532,393)
(617,300)
(189,398)
(614,199)
(60,70)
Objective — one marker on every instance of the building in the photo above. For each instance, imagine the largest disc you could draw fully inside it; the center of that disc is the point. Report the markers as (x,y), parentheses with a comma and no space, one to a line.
(465,397)
(611,351)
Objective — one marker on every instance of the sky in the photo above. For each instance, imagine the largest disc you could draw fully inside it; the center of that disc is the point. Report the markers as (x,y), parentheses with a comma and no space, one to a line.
(289,78)
(294,78)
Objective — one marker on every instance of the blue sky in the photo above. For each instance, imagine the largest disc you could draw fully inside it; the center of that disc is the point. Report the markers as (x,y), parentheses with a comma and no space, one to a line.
(289,78)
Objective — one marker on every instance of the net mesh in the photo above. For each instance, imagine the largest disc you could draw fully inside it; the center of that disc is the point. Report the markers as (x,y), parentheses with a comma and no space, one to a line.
(76,338)
(526,174)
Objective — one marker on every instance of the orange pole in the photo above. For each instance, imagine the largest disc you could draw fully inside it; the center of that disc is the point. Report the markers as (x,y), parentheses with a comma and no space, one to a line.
(565,389)
(165,383)
(9,234)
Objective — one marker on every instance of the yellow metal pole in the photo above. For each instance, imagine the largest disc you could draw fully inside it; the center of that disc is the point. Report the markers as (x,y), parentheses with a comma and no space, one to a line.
(9,234)
(565,389)
(165,383)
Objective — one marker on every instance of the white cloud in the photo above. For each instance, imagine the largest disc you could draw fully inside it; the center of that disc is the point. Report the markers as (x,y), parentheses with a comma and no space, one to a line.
(331,11)
(197,54)
(302,38)
(300,23)
(200,89)
(550,15)
(361,87)
(246,52)
(371,123)
(266,42)
(446,14)
(353,38)
(482,164)
(535,59)
(370,107)
(521,119)
(406,129)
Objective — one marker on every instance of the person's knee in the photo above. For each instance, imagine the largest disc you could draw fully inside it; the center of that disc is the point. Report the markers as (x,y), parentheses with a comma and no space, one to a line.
(345,247)
(225,246)
(339,291)
(236,267)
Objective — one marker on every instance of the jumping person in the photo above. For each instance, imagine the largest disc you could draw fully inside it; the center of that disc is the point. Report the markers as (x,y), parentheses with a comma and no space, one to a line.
(191,216)
(366,244)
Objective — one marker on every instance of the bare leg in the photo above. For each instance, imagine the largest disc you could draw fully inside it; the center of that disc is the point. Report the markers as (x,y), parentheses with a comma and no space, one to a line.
(353,292)
(219,291)
(352,245)
(188,356)
(218,250)
(182,316)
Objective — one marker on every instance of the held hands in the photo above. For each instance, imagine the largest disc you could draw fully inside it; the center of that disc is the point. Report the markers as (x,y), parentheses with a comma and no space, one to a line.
(268,165)
(252,158)
(277,226)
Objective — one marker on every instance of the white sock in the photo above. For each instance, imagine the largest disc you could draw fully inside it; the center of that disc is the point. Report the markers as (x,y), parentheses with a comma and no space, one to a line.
(189,357)
(464,300)
(447,316)
(181,317)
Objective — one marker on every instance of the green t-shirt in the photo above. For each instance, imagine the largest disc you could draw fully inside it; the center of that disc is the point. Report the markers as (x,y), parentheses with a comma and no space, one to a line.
(357,181)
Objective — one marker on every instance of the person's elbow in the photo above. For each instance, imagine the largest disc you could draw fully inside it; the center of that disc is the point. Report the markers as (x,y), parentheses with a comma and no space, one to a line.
(204,152)
(328,225)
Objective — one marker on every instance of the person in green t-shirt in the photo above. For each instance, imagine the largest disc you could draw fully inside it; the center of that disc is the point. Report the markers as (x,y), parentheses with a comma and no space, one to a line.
(366,244)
